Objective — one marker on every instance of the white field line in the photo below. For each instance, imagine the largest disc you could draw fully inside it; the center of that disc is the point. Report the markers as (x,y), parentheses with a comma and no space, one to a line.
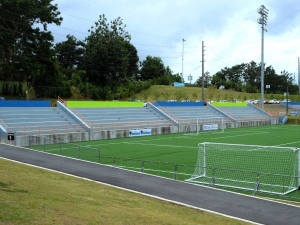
(172,146)
(241,135)
(138,141)
(294,142)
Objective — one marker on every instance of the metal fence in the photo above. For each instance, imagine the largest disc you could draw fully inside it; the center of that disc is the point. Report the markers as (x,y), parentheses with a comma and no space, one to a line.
(58,147)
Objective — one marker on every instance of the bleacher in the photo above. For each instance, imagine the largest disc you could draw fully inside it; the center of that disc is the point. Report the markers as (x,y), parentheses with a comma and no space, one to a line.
(123,117)
(38,120)
(185,112)
(244,113)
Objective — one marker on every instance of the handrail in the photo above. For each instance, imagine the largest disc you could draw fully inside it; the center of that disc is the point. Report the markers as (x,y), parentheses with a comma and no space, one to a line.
(62,101)
(3,125)
(75,112)
(165,111)
(81,116)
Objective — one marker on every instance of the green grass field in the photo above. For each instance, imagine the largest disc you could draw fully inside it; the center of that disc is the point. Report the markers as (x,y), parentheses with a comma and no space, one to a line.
(175,155)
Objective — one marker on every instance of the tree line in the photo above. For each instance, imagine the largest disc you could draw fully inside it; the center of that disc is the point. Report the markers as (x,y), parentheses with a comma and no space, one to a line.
(246,77)
(105,65)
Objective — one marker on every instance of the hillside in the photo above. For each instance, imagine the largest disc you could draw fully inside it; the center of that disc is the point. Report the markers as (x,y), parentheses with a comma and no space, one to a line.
(163,92)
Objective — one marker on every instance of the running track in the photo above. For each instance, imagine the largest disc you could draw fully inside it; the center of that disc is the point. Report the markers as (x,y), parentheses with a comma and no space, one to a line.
(227,203)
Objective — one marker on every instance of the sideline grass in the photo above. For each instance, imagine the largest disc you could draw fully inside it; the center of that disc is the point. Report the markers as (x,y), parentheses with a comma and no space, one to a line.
(32,196)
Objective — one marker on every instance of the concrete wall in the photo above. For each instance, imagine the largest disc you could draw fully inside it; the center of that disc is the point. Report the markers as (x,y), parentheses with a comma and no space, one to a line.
(84,136)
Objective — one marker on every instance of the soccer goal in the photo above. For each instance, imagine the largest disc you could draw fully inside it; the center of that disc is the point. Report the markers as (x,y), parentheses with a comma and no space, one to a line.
(195,126)
(266,169)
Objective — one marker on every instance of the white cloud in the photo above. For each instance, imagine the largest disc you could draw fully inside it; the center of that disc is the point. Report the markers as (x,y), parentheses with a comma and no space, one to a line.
(228,28)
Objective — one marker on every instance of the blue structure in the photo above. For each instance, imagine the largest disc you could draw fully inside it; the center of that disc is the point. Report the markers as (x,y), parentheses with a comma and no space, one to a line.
(24,103)
(178,84)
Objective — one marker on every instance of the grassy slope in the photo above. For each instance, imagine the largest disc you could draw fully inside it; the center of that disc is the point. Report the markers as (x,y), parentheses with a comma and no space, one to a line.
(210,94)
(35,196)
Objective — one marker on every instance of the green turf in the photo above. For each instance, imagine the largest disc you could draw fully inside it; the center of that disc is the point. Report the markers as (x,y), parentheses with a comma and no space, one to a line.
(175,155)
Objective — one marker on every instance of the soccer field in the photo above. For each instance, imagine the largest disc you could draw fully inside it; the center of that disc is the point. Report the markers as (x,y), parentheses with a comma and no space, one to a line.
(175,155)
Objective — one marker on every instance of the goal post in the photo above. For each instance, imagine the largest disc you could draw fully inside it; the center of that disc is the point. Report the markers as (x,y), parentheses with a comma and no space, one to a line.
(198,125)
(268,169)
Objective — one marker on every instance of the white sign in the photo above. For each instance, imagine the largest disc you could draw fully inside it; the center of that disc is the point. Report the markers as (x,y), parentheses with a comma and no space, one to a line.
(210,127)
(141,132)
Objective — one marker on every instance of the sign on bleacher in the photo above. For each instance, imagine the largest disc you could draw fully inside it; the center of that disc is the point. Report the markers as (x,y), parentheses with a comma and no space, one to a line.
(139,132)
(210,126)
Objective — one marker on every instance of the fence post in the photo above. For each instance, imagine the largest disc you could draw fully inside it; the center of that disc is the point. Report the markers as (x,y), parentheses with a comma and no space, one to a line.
(213,178)
(143,166)
(60,147)
(256,187)
(29,140)
(99,155)
(175,172)
(44,143)
(78,151)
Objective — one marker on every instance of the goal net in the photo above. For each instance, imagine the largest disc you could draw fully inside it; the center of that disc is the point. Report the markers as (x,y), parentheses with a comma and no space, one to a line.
(195,126)
(266,169)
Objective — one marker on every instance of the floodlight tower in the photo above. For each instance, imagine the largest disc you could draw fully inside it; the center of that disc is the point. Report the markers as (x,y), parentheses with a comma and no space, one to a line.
(263,12)
(183,40)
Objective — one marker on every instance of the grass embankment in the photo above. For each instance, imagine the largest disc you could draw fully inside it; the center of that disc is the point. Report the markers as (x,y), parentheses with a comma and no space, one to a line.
(31,195)
(163,92)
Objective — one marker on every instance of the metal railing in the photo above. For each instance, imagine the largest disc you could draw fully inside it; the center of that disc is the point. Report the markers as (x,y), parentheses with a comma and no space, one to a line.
(75,112)
(46,129)
(59,147)
(3,125)
(130,125)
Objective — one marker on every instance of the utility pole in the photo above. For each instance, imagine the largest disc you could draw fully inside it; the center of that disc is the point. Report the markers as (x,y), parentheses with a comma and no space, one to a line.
(263,12)
(183,40)
(202,71)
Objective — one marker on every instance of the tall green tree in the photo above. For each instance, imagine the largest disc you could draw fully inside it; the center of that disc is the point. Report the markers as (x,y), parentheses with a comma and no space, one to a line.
(152,67)
(26,52)
(110,59)
(70,54)
(252,77)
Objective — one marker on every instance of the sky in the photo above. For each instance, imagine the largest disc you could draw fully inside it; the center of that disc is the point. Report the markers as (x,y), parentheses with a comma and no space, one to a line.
(174,30)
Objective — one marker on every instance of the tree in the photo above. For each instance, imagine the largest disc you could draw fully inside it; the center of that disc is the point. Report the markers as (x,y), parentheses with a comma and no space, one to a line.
(110,60)
(252,77)
(207,80)
(152,67)
(25,43)
(70,54)
(219,79)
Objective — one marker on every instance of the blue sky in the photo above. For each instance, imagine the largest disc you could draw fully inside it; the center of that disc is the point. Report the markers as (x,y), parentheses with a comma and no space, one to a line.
(228,28)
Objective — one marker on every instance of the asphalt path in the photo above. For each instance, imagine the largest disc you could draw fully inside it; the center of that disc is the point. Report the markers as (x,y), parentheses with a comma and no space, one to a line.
(235,205)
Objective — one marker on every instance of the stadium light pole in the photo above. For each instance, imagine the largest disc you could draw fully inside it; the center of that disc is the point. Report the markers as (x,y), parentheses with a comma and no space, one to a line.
(263,12)
(182,79)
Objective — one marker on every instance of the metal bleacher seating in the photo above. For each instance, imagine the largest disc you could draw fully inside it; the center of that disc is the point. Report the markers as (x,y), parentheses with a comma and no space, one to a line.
(186,112)
(38,120)
(123,117)
(244,113)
